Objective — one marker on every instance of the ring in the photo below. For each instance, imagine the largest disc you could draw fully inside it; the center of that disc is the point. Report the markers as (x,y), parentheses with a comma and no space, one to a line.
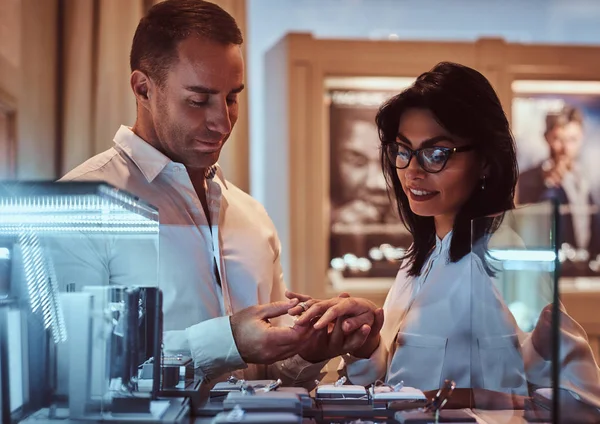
(303,306)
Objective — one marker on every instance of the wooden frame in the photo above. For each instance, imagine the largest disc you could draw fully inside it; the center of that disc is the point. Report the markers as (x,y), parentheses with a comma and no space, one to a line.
(8,142)
(298,158)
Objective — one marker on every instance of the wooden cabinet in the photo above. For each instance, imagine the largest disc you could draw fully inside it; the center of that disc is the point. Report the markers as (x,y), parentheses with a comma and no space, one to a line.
(7,139)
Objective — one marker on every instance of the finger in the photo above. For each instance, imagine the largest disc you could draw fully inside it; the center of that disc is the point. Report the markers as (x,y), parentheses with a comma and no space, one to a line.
(378,322)
(336,340)
(354,323)
(302,307)
(303,329)
(357,339)
(294,295)
(275,309)
(315,310)
(344,294)
(330,315)
(295,311)
(343,307)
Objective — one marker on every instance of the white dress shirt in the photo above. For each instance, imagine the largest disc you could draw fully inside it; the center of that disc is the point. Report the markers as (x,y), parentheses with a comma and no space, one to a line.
(241,245)
(450,322)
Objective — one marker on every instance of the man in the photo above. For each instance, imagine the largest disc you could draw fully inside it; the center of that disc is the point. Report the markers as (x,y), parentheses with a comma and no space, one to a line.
(361,195)
(219,266)
(560,177)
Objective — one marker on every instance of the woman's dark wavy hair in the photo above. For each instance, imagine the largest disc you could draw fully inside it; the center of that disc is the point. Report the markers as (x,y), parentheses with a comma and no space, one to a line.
(464,103)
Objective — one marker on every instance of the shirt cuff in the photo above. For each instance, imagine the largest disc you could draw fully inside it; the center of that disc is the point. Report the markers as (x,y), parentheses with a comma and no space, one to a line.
(213,347)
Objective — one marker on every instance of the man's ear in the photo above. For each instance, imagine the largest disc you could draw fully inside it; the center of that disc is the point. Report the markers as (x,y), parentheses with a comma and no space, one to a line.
(142,87)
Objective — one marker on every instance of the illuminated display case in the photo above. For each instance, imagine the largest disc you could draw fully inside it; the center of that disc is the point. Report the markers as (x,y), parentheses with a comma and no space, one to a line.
(515,270)
(81,325)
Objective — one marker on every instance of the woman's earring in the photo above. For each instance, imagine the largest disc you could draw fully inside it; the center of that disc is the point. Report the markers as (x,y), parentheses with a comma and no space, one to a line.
(483,182)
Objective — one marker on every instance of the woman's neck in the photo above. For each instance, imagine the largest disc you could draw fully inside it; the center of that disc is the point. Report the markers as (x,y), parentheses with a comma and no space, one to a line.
(443,225)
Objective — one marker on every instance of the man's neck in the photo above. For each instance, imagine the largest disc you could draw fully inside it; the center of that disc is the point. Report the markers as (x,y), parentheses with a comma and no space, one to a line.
(147,134)
(197,176)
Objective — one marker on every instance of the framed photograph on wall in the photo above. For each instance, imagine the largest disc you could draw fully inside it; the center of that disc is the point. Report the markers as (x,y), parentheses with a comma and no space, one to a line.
(557,130)
(366,236)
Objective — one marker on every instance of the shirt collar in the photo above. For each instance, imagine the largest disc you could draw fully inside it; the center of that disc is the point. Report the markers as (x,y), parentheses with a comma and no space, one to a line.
(443,243)
(219,173)
(150,161)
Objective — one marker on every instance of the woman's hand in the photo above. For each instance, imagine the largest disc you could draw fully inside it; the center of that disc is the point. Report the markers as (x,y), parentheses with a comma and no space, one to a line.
(359,320)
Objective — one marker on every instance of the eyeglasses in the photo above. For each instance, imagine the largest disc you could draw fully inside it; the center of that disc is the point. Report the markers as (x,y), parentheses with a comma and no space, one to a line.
(431,159)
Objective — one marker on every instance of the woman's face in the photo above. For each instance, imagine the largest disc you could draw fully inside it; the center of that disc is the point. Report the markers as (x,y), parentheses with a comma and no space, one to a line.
(441,194)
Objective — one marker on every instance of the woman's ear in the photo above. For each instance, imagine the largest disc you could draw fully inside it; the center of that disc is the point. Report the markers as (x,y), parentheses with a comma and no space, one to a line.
(485,169)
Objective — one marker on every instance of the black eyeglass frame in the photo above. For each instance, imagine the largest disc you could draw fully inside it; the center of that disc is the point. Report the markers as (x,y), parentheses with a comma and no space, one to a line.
(448,151)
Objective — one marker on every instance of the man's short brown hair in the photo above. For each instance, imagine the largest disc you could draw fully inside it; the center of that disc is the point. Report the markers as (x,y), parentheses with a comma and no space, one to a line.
(563,117)
(154,47)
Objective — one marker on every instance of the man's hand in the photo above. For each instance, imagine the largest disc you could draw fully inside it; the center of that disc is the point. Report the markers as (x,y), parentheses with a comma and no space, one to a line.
(258,341)
(555,172)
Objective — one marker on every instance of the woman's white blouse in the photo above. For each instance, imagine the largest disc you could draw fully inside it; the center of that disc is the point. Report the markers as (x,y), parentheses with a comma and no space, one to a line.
(450,322)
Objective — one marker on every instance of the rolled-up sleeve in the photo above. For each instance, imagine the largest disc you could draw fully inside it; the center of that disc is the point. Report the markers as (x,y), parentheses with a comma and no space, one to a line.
(213,347)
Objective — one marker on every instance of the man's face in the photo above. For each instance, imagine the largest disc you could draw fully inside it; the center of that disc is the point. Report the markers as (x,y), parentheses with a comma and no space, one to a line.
(194,111)
(565,141)
(360,166)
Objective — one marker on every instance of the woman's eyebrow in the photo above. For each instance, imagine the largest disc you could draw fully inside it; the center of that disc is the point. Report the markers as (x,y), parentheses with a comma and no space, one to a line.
(429,142)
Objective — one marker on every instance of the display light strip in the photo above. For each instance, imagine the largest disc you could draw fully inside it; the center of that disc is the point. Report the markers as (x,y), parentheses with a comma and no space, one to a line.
(61,204)
(523,255)
(74,213)
(83,228)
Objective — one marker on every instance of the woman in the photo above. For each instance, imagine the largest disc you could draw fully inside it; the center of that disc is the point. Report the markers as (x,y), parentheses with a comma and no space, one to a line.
(449,157)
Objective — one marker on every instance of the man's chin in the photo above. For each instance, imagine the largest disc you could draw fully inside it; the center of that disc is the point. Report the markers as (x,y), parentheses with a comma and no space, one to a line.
(203,161)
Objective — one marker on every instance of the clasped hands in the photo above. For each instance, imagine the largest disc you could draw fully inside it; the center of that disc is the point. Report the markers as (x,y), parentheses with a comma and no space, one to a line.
(323,329)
